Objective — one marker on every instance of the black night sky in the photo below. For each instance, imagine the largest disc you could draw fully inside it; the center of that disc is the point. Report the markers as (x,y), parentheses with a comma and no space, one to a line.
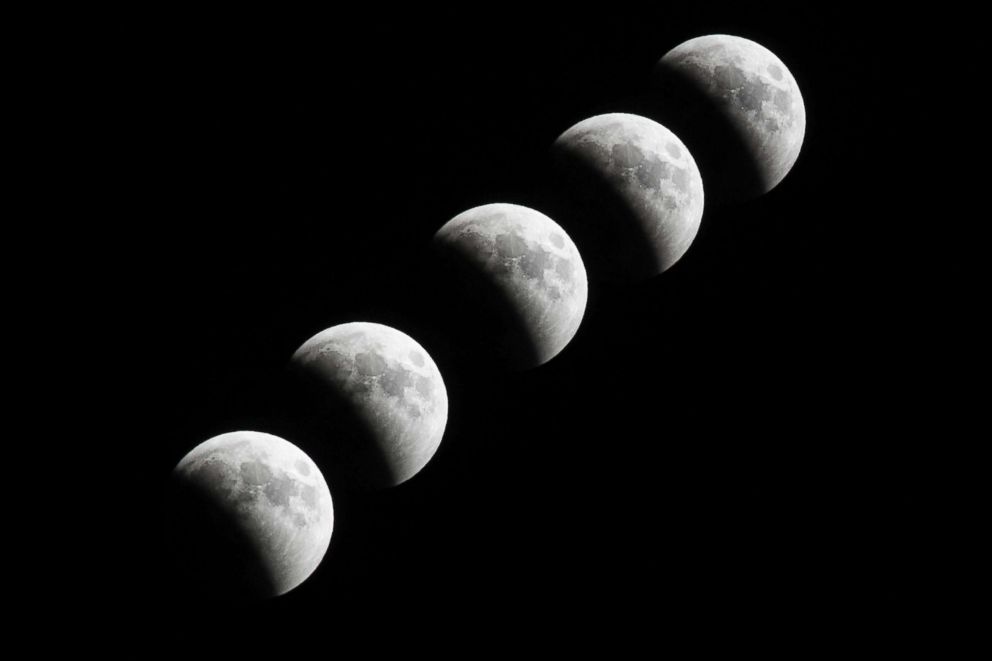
(724,446)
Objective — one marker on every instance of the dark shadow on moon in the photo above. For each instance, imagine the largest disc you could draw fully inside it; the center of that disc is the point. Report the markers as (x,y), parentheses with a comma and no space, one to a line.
(213,557)
(731,171)
(615,245)
(483,324)
(332,430)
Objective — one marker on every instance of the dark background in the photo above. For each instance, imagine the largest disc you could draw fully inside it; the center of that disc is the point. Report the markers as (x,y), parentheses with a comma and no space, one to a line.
(737,444)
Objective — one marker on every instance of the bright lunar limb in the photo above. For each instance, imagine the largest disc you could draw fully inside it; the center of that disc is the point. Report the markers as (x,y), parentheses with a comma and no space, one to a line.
(253,515)
(633,194)
(738,108)
(525,270)
(379,399)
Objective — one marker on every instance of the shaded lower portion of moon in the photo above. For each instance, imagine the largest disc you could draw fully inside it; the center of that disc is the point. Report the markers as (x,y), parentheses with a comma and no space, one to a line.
(484,323)
(214,557)
(604,222)
(339,434)
(718,140)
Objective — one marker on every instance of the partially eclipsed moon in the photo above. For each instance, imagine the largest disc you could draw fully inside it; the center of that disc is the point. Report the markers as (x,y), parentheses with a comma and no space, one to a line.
(634,193)
(533,272)
(739,109)
(381,400)
(259,512)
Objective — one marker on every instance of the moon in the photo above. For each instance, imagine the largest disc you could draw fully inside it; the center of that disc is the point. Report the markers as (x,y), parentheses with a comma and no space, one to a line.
(533,273)
(379,398)
(633,192)
(254,515)
(738,107)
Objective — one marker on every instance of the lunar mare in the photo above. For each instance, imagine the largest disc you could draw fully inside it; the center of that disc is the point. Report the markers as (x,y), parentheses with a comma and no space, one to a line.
(532,268)
(634,194)
(381,399)
(267,503)
(740,108)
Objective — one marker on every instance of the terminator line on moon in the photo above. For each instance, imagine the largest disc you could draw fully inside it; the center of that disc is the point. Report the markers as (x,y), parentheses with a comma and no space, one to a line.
(536,270)
(267,510)
(738,108)
(636,194)
(380,401)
